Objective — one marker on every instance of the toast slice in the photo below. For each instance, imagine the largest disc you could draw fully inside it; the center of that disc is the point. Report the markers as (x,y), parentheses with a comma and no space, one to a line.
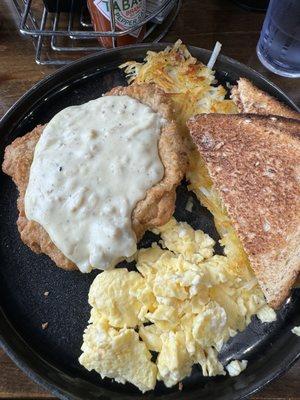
(249,99)
(254,164)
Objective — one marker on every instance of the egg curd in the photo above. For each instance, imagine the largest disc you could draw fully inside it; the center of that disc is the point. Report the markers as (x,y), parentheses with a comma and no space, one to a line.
(183,303)
(296,330)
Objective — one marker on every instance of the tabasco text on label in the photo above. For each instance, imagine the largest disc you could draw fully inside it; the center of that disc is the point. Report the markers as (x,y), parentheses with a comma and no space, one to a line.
(128,13)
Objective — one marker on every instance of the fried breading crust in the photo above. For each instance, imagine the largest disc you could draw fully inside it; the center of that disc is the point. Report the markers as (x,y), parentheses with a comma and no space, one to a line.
(158,205)
(155,209)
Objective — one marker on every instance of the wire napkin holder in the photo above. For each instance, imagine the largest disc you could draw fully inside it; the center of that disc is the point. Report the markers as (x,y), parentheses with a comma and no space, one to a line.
(61,37)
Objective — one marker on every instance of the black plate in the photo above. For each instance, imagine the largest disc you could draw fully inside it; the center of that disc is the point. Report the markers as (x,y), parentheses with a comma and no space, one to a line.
(50,356)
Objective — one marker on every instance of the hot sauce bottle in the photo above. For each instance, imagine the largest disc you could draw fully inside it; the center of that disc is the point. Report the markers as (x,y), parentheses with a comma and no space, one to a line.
(128,13)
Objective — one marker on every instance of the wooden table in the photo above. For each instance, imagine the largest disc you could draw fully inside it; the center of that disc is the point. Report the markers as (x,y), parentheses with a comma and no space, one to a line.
(199,24)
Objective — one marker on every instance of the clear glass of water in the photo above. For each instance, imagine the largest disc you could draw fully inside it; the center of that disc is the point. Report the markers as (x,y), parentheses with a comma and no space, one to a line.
(278,48)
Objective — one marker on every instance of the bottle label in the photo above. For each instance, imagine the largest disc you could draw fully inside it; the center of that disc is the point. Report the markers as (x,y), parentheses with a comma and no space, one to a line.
(128,13)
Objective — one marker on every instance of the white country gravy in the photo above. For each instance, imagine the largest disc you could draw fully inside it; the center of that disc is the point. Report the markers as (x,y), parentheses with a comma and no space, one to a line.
(91,165)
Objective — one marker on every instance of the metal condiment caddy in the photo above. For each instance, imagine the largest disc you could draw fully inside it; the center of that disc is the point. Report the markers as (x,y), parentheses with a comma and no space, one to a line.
(57,34)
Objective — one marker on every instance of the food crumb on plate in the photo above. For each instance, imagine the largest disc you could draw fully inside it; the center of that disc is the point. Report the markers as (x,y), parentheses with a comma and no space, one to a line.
(266,314)
(189,204)
(296,330)
(235,367)
(45,325)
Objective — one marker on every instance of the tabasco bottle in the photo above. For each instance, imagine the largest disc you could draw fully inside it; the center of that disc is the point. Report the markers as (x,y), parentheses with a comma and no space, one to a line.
(128,13)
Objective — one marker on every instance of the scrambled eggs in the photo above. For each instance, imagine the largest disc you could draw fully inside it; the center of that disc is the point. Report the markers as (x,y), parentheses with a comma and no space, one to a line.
(184,303)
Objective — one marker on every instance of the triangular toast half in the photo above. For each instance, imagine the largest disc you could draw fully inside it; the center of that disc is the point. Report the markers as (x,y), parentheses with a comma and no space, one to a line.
(254,164)
(250,99)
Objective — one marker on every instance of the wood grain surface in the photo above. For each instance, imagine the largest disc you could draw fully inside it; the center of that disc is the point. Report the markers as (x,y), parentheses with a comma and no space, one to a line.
(199,23)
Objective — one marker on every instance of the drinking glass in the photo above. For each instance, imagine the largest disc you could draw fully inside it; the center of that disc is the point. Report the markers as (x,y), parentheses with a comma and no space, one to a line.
(278,48)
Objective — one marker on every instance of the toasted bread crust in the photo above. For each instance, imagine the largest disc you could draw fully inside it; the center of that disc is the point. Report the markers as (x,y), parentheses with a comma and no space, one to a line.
(254,163)
(158,205)
(249,99)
